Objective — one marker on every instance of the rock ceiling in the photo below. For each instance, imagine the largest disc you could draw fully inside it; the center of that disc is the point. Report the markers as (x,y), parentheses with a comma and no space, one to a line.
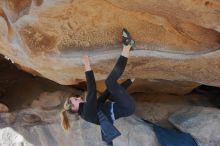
(176,39)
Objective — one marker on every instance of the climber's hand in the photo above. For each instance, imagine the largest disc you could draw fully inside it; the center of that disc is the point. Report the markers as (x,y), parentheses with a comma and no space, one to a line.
(86,62)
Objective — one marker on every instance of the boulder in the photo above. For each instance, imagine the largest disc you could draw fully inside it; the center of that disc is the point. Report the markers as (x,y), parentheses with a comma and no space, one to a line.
(31,118)
(3,108)
(37,125)
(7,119)
(49,100)
(201,122)
(158,107)
(134,133)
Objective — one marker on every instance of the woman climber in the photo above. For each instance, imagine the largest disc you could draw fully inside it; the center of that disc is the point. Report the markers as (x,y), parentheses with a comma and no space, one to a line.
(100,111)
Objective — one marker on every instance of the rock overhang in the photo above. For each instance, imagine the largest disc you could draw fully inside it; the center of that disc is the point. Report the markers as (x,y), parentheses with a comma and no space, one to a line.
(47,38)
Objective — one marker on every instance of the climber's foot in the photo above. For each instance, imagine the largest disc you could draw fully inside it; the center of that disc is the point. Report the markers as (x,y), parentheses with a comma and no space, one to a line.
(127,39)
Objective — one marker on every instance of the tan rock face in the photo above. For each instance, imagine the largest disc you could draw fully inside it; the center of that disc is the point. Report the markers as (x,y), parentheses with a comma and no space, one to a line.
(176,40)
(3,108)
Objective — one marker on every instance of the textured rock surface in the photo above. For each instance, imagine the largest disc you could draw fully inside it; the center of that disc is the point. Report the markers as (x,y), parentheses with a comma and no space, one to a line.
(37,126)
(47,37)
(163,86)
(201,122)
(3,108)
(135,133)
(157,107)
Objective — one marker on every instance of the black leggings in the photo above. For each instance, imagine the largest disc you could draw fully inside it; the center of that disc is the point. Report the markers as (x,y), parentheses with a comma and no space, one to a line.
(107,95)
(124,104)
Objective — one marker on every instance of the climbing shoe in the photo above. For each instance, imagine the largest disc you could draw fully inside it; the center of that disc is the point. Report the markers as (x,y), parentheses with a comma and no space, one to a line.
(126,38)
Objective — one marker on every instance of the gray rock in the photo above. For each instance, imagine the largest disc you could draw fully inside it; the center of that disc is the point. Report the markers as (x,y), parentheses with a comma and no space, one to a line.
(134,133)
(200,122)
(157,107)
(7,119)
(31,118)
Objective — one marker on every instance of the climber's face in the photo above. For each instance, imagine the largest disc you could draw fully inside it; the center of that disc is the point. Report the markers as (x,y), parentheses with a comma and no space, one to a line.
(75,101)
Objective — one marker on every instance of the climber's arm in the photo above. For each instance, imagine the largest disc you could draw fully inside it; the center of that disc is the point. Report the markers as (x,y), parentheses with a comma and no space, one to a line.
(90,106)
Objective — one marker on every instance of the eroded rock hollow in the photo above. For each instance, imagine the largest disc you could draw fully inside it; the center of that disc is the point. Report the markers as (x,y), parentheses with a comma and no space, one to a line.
(175,40)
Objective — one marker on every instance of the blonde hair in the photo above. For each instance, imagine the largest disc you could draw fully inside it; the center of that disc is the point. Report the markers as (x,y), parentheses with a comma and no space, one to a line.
(65,124)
